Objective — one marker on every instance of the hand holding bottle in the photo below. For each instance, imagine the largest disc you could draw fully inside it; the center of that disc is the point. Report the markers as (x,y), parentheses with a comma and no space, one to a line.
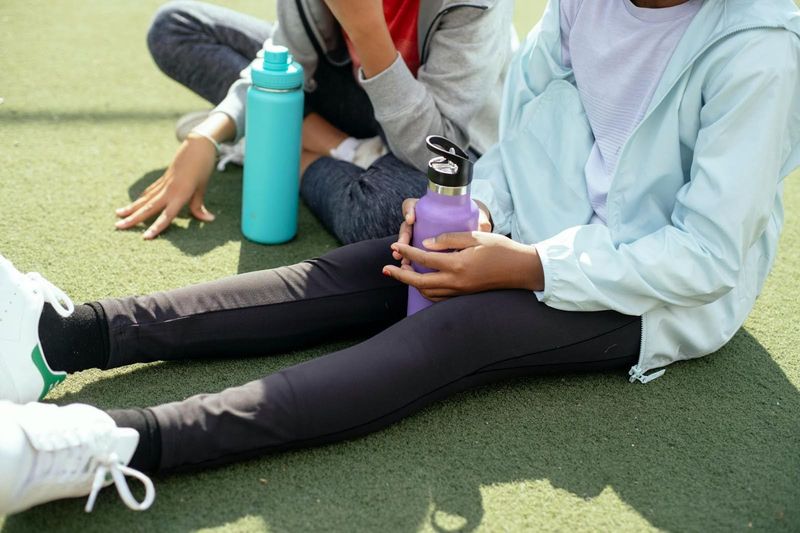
(480,262)
(409,216)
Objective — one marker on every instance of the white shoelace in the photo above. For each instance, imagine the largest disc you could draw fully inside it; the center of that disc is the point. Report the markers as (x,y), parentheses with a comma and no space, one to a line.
(118,472)
(53,295)
(71,464)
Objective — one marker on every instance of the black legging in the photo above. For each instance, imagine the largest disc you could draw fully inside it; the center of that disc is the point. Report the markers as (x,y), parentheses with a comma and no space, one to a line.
(455,344)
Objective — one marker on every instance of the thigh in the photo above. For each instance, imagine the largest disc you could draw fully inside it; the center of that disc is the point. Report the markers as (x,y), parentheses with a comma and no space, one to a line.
(449,347)
(202,22)
(204,46)
(356,204)
(340,100)
(259,312)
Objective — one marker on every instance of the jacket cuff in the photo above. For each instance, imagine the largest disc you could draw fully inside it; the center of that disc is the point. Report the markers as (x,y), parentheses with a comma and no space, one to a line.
(552,253)
(392,91)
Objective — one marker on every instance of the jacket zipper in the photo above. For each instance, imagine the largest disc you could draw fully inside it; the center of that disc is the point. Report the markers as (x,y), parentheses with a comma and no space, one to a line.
(637,372)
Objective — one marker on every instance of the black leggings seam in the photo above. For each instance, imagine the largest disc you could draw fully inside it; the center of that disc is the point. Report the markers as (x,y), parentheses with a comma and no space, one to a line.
(634,319)
(322,439)
(117,329)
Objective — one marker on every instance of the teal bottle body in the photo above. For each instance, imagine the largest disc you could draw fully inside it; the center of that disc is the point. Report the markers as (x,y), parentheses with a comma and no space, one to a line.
(273,123)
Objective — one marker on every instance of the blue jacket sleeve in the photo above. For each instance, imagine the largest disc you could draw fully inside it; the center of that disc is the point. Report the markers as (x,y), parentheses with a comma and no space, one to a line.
(748,140)
(536,64)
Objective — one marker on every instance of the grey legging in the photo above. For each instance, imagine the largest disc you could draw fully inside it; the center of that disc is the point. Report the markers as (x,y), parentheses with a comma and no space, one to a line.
(455,344)
(204,47)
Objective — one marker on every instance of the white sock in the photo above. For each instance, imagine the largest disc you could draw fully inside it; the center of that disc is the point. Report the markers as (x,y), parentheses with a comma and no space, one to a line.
(368,151)
(346,150)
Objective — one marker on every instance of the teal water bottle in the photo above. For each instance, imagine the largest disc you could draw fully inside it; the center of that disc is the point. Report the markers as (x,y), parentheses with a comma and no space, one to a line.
(273,123)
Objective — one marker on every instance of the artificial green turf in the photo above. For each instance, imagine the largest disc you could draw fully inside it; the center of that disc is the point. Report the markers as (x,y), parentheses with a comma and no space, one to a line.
(86,123)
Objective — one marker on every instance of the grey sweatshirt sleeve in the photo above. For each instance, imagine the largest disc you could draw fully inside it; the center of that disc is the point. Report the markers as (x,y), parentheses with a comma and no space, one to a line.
(451,87)
(234,103)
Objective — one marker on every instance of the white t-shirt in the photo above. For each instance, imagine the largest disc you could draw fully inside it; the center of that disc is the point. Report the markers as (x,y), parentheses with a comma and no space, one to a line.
(618,53)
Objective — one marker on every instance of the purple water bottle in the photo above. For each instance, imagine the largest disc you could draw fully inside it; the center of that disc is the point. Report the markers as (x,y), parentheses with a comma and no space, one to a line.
(446,207)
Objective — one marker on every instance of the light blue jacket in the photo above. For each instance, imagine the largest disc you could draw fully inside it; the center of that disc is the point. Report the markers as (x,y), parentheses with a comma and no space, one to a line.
(695,207)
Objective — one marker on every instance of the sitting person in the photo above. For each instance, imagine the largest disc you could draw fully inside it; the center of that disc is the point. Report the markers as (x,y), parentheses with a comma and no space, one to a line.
(394,71)
(640,179)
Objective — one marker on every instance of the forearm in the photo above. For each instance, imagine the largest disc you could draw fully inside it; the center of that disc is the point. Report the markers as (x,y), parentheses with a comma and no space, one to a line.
(375,48)
(365,25)
(218,126)
(320,136)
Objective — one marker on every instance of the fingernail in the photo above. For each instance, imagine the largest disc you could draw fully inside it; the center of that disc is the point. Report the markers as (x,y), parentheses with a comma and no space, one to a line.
(408,219)
(119,210)
(148,234)
(428,242)
(386,273)
(119,223)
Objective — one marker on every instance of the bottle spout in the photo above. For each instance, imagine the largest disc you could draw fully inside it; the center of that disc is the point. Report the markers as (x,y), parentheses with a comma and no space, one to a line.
(451,167)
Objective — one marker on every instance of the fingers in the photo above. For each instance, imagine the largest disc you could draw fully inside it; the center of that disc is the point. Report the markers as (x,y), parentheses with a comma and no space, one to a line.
(143,213)
(404,237)
(431,260)
(433,286)
(147,195)
(161,223)
(198,208)
(452,241)
(411,277)
(409,214)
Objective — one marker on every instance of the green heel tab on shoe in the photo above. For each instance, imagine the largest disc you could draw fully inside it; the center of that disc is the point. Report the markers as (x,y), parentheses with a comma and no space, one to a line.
(50,379)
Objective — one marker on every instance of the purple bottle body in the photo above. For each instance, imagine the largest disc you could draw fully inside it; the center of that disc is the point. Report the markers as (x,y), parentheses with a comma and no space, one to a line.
(436,214)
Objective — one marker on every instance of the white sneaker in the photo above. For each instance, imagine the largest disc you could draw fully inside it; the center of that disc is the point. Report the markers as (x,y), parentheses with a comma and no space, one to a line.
(49,452)
(24,373)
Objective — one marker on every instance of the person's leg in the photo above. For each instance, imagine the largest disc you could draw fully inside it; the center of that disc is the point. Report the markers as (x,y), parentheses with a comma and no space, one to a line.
(453,345)
(245,315)
(341,101)
(356,204)
(204,47)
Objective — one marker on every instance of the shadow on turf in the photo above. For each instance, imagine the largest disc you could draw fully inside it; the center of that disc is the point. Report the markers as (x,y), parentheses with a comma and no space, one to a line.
(223,198)
(712,446)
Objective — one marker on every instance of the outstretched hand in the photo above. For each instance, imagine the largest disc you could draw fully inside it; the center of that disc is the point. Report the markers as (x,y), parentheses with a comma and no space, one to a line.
(184,181)
(481,262)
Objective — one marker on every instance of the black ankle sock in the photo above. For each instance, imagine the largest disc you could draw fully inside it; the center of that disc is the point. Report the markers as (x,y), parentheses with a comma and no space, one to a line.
(77,342)
(147,456)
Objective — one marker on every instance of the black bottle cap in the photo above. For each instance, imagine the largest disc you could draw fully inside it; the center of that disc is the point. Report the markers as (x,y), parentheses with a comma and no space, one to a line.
(451,167)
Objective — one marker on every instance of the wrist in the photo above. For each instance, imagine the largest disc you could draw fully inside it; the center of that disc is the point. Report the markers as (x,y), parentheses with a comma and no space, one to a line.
(217,127)
(204,137)
(531,272)
(376,50)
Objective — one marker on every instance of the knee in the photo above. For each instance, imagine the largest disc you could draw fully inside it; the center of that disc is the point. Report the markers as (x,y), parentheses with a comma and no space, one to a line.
(164,26)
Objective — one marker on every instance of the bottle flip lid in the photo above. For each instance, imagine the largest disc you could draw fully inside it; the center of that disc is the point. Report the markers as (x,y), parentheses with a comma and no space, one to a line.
(278,70)
(451,167)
